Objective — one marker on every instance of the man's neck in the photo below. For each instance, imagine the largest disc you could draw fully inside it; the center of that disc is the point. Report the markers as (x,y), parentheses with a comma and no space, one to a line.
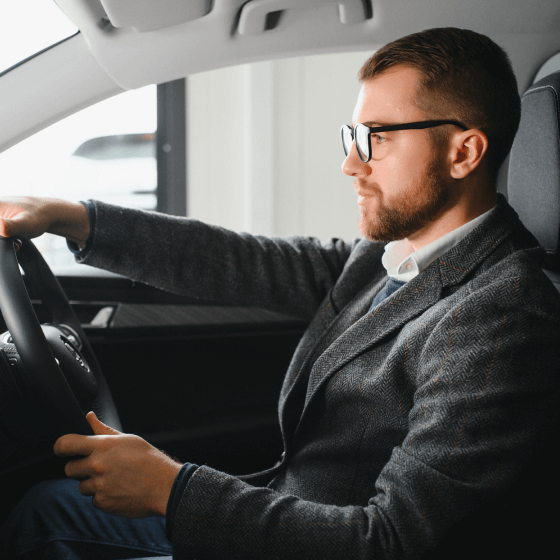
(457,214)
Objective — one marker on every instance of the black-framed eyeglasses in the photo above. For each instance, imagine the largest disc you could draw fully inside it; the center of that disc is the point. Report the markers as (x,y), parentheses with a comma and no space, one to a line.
(362,134)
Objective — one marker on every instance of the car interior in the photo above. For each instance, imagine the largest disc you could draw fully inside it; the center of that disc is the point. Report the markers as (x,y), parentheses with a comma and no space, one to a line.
(244,93)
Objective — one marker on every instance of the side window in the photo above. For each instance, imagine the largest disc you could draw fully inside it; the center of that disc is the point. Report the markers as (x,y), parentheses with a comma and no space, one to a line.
(106,152)
(264,150)
(252,148)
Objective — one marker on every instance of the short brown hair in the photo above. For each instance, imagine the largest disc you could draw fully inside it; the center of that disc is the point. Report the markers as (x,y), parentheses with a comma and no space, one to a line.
(465,76)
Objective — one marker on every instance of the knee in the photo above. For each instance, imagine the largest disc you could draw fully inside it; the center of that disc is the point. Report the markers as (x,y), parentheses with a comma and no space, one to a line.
(52,496)
(44,512)
(45,508)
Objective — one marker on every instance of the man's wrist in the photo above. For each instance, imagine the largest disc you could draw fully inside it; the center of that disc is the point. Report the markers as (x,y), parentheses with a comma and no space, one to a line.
(179,485)
(168,480)
(70,220)
(81,249)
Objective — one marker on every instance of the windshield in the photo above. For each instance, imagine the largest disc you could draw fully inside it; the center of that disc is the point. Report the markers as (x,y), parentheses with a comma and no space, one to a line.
(28,27)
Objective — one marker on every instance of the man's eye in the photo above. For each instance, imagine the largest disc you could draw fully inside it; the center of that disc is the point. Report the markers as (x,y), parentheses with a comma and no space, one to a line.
(378,139)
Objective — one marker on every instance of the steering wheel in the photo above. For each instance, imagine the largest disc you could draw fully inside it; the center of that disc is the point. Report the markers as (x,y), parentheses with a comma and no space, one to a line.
(49,376)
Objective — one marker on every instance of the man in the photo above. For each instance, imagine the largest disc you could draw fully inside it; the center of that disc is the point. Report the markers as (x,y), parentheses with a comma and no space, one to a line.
(415,394)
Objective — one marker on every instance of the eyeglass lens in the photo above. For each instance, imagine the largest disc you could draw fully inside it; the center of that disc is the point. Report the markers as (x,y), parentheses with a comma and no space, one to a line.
(361,134)
(347,138)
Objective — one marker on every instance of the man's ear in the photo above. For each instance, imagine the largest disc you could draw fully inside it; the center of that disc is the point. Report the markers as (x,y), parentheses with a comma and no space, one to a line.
(467,149)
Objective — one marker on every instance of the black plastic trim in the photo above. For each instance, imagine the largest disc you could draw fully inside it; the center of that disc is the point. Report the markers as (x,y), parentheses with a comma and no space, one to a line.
(171,143)
(113,289)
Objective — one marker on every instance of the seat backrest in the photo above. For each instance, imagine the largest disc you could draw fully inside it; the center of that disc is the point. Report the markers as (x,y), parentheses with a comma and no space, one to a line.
(518,523)
(534,169)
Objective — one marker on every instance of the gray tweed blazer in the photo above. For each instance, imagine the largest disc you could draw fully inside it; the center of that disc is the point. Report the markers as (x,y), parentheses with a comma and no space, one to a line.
(396,423)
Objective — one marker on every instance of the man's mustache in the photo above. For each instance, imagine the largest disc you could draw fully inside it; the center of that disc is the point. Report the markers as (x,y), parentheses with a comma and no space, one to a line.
(366,189)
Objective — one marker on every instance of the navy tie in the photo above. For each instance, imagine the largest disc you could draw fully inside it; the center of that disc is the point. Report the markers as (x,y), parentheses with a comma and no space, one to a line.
(389,288)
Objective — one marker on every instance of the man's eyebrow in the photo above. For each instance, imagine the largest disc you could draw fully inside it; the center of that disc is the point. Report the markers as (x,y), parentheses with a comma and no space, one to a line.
(372,123)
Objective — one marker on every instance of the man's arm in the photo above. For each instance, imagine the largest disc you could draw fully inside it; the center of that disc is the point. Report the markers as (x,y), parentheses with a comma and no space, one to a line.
(186,256)
(483,399)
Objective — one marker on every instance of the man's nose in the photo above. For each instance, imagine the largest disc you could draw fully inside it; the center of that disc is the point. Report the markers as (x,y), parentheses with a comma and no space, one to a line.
(353,165)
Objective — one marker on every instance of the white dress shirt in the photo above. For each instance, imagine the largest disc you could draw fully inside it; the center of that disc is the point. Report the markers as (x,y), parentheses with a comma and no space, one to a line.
(403,263)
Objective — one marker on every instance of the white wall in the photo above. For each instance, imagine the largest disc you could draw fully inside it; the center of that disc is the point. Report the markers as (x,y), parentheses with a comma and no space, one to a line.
(264,149)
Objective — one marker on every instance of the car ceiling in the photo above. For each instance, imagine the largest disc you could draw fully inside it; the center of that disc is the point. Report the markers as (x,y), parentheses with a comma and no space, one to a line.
(126,44)
(232,31)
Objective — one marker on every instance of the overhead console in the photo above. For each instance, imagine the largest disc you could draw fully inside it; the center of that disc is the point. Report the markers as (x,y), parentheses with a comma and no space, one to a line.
(257,15)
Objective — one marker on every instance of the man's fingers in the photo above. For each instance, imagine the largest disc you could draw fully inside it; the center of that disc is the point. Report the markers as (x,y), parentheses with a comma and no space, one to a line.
(5,231)
(71,445)
(18,225)
(100,429)
(79,469)
(19,221)
(86,487)
(5,227)
(74,444)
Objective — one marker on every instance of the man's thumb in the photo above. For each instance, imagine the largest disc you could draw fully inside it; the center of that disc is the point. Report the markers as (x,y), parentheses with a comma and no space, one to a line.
(100,429)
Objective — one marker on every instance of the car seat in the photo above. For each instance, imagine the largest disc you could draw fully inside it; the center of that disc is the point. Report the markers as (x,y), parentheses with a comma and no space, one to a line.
(534,169)
(522,521)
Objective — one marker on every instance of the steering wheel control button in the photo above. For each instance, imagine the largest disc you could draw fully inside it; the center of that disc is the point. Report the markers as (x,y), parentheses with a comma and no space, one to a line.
(73,366)
(74,352)
(10,379)
(71,335)
(10,349)
(7,338)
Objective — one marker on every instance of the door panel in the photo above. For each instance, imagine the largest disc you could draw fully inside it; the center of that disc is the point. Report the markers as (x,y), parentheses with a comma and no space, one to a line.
(192,394)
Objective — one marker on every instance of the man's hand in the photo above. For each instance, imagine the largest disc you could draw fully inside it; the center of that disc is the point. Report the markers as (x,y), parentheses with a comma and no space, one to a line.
(27,217)
(124,473)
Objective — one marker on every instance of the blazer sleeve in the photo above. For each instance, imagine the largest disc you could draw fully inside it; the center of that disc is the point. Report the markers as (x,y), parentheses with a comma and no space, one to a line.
(188,257)
(486,380)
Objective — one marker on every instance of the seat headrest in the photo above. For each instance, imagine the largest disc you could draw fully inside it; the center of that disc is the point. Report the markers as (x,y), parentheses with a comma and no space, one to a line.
(534,166)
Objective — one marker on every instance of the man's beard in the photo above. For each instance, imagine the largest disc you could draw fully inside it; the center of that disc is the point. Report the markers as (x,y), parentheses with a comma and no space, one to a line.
(411,213)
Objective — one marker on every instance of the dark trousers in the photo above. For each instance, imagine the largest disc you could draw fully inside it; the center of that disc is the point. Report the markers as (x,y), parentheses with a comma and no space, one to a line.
(54,521)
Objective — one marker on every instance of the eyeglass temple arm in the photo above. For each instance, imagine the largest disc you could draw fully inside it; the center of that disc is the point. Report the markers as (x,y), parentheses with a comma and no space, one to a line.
(414,125)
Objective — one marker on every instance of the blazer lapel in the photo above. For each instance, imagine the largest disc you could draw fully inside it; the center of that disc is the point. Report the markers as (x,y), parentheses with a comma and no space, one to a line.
(391,314)
(291,405)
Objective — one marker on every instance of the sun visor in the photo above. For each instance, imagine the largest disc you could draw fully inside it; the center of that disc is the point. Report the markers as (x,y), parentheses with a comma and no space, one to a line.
(147,15)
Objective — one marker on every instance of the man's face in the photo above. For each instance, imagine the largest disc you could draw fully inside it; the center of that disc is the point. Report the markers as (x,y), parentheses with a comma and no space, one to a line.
(404,186)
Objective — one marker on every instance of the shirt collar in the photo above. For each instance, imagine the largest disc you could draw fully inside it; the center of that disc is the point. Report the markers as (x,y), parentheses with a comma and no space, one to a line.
(403,263)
